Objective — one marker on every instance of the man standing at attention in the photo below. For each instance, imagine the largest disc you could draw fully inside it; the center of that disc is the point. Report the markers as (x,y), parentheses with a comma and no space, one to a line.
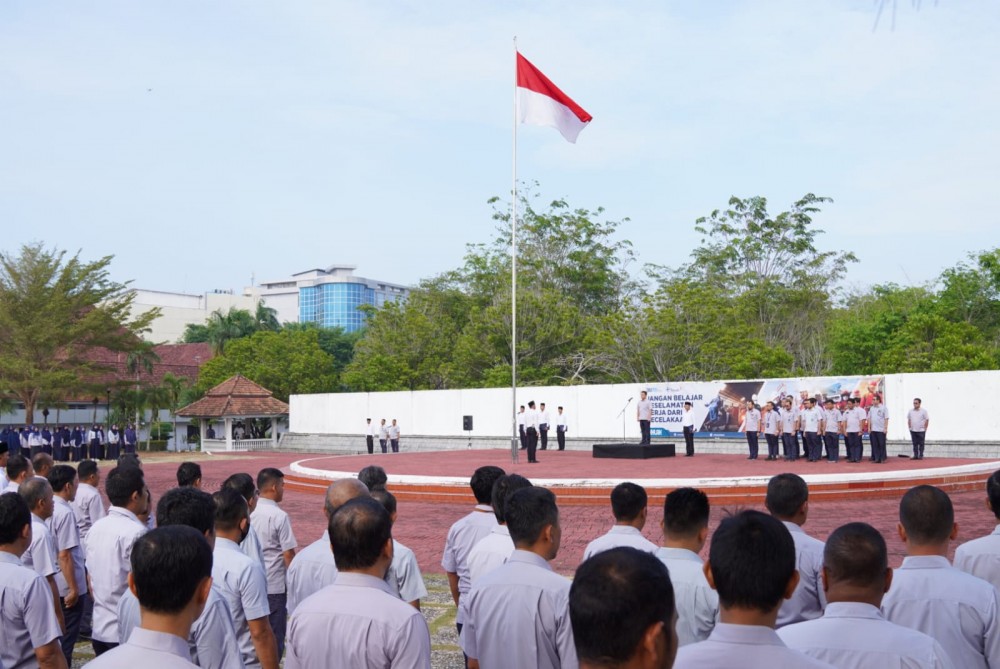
(520,428)
(561,428)
(752,427)
(789,427)
(278,543)
(543,426)
(878,425)
(981,557)
(788,500)
(854,419)
(644,414)
(629,506)
(72,578)
(832,427)
(687,422)
(531,430)
(394,436)
(383,436)
(917,420)
(370,436)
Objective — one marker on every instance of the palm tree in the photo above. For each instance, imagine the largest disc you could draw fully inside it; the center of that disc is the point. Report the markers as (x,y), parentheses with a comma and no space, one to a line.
(173,391)
(233,324)
(142,358)
(266,318)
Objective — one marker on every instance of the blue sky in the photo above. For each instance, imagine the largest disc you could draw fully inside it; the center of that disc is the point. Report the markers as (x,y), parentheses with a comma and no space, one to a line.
(203,142)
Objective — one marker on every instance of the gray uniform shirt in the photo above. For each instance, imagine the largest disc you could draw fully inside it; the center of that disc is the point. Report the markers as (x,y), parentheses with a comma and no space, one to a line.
(644,410)
(696,602)
(463,535)
(274,529)
(981,557)
(619,535)
(67,538)
(403,576)
(311,570)
(108,556)
(28,617)
(752,421)
(808,600)
(878,418)
(88,506)
(917,420)
(745,647)
(146,649)
(241,583)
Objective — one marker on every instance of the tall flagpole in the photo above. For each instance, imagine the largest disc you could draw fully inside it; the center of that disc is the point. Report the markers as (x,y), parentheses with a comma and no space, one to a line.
(513,280)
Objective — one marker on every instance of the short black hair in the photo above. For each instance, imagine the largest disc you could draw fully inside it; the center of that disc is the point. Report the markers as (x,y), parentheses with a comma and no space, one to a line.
(268,476)
(993,492)
(855,553)
(168,565)
(188,473)
(528,511)
(230,508)
(482,482)
(61,476)
(386,499)
(14,515)
(685,512)
(41,459)
(130,460)
(17,464)
(504,487)
(615,597)
(628,500)
(34,490)
(786,493)
(927,515)
(752,558)
(122,482)
(86,469)
(242,483)
(186,506)
(374,477)
(359,531)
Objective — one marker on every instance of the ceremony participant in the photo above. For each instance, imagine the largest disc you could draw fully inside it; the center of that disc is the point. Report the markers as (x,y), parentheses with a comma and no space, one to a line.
(108,548)
(383,436)
(240,580)
(58,453)
(42,464)
(787,500)
(878,426)
(771,419)
(789,421)
(171,575)
(687,424)
(501,631)
(522,437)
(832,428)
(19,470)
(960,611)
(468,530)
(751,564)
(4,454)
(189,475)
(41,554)
(29,627)
(370,431)
(543,426)
(274,528)
(629,507)
(394,436)
(88,507)
(644,414)
(71,578)
(917,421)
(981,557)
(313,567)
(403,576)
(854,419)
(561,428)
(374,477)
(752,428)
(131,438)
(77,442)
(621,606)
(853,633)
(685,530)
(496,547)
(811,419)
(357,622)
(94,449)
(212,642)
(531,431)
(114,443)
(244,484)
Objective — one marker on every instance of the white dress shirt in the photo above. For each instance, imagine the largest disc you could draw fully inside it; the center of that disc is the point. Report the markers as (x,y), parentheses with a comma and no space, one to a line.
(687,418)
(403,576)
(808,600)
(465,533)
(878,418)
(146,649)
(959,610)
(696,602)
(519,617)
(811,418)
(743,647)
(88,506)
(66,534)
(274,529)
(619,535)
(358,623)
(531,419)
(751,421)
(853,418)
(27,617)
(241,583)
(108,550)
(490,552)
(981,557)
(854,635)
(312,569)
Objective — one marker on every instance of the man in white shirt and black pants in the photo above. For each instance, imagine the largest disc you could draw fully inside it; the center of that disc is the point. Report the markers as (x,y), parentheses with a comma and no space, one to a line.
(543,426)
(751,425)
(561,428)
(531,430)
(687,424)
(370,436)
(644,414)
(917,420)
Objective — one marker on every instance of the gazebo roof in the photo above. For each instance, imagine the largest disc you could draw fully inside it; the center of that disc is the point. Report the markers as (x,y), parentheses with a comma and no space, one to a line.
(238,397)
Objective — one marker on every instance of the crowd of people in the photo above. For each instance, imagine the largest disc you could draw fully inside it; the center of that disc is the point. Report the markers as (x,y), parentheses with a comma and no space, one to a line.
(70,444)
(216,580)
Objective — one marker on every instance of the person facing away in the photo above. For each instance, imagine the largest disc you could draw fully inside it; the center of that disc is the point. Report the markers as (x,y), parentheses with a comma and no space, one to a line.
(928,594)
(274,528)
(629,506)
(189,475)
(751,564)
(357,622)
(621,606)
(518,614)
(71,578)
(403,576)
(495,548)
(853,633)
(981,557)
(374,477)
(685,531)
(171,576)
(787,500)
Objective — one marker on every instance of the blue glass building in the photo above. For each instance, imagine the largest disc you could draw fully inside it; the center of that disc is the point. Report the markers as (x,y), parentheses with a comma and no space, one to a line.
(331,297)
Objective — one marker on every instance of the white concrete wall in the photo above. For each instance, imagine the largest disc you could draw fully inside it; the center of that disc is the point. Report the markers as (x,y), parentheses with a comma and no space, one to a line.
(960,405)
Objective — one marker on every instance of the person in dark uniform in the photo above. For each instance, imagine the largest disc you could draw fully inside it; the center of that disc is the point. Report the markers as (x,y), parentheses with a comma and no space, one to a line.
(561,428)
(531,430)
(370,436)
(543,426)
(522,437)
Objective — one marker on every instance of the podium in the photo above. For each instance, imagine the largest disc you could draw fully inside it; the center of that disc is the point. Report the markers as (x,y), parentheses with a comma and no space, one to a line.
(634,451)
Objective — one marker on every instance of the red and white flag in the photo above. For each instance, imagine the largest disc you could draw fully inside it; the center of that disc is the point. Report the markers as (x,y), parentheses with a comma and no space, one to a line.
(540,102)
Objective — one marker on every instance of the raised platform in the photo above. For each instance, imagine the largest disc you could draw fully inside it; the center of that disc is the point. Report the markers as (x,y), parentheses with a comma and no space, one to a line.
(577,478)
(633,451)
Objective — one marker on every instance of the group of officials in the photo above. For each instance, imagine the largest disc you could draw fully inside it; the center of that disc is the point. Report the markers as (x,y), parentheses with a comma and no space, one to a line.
(67,444)
(387,435)
(533,427)
(209,579)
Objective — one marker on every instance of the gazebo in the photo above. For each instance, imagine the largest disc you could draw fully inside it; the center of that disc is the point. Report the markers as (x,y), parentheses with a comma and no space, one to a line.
(236,398)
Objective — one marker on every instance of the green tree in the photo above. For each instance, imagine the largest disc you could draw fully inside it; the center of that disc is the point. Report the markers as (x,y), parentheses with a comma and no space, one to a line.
(266,318)
(53,310)
(195,333)
(174,389)
(223,327)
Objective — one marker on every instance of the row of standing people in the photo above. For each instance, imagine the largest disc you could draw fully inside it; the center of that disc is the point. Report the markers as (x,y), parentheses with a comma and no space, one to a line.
(387,435)
(66,444)
(533,426)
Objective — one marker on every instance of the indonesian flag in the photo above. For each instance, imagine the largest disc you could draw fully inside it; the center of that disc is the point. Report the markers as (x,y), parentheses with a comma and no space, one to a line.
(540,102)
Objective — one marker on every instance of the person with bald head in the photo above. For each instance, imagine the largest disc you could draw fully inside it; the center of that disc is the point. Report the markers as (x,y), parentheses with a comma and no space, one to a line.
(313,567)
(41,554)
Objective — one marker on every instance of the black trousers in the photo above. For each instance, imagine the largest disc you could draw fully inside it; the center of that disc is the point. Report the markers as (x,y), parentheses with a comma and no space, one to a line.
(813,446)
(644,430)
(799,444)
(382,443)
(561,438)
(877,440)
(789,445)
(753,444)
(370,442)
(772,445)
(832,441)
(394,443)
(543,434)
(522,436)
(855,449)
(532,436)
(688,440)
(918,443)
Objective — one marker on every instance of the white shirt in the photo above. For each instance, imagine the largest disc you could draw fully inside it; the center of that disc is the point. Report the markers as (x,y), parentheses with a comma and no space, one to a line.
(696,602)
(808,600)
(66,534)
(561,422)
(687,419)
(394,432)
(147,649)
(88,506)
(854,635)
(27,616)
(530,419)
(108,550)
(743,647)
(788,417)
(403,576)
(520,418)
(371,429)
(878,418)
(274,529)
(619,535)
(772,421)
(462,536)
(832,418)
(751,421)
(241,583)
(917,420)
(41,554)
(853,419)
(383,431)
(644,410)
(490,552)
(312,569)
(981,557)
(960,611)
(810,419)
(544,418)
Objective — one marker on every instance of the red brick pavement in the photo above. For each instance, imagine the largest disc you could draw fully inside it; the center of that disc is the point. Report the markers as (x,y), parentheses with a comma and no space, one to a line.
(423,526)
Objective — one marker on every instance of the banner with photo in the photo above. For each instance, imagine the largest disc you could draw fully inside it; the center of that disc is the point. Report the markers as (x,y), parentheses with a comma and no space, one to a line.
(719,406)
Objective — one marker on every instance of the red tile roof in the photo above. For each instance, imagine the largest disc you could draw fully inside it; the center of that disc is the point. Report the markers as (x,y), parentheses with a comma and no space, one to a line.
(181,360)
(237,396)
